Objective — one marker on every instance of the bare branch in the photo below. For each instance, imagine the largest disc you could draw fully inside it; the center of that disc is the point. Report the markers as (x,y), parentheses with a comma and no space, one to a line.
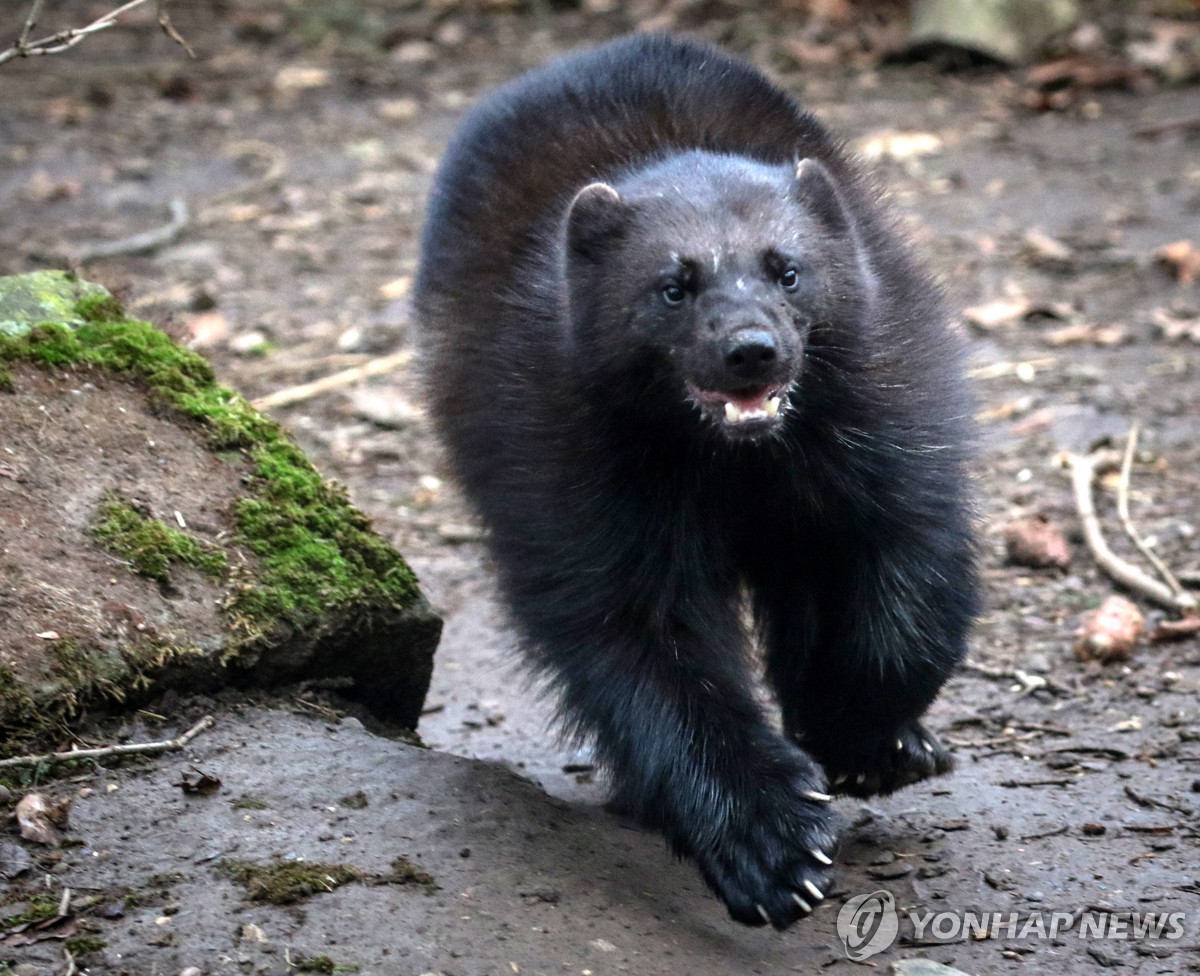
(30,22)
(164,21)
(129,749)
(335,381)
(66,39)
(1083,471)
(143,243)
(1127,521)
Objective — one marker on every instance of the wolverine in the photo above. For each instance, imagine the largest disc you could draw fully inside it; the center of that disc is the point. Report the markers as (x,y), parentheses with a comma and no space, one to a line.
(685,365)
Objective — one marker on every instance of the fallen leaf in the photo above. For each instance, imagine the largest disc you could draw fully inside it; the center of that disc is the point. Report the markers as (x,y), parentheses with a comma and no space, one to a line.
(1176,326)
(199,783)
(41,187)
(39,819)
(1006,411)
(296,77)
(1084,72)
(397,287)
(206,329)
(1111,633)
(57,927)
(1035,542)
(1182,259)
(1006,312)
(1044,251)
(1170,48)
(898,146)
(1003,311)
(1083,333)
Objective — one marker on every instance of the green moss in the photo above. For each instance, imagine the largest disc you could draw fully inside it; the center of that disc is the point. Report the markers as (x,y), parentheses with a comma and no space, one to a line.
(316,964)
(87,672)
(322,964)
(99,308)
(284,882)
(318,553)
(354,801)
(6,381)
(404,872)
(81,945)
(37,909)
(22,720)
(152,546)
(299,553)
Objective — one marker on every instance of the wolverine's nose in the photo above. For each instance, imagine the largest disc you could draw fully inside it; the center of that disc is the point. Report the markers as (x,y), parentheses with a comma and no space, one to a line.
(749,352)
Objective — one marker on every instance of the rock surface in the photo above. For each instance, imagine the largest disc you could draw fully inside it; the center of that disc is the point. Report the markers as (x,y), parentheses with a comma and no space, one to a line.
(156,532)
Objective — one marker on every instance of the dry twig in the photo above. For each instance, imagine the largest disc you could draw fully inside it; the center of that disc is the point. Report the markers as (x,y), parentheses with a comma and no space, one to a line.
(326,384)
(130,749)
(1083,470)
(1127,521)
(143,243)
(276,165)
(1026,683)
(64,40)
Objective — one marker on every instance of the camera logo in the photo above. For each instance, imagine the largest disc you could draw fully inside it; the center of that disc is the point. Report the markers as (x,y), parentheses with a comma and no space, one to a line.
(868,924)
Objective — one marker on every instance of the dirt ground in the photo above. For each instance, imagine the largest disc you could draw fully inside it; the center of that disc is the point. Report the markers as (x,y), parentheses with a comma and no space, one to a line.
(304,167)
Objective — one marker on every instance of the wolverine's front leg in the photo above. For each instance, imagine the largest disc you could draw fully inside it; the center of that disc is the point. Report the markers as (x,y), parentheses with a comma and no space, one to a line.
(857,651)
(668,703)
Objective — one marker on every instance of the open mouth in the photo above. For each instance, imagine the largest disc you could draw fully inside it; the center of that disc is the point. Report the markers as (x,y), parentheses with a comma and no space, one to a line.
(754,406)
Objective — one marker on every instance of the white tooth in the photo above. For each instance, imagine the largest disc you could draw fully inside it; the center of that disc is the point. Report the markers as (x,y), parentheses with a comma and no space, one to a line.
(732,413)
(753,414)
(773,407)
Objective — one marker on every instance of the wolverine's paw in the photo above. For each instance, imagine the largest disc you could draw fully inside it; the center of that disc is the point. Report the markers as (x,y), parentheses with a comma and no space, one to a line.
(911,754)
(772,864)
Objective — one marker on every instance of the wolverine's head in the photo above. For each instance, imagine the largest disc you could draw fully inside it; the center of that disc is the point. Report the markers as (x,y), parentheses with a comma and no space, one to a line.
(704,278)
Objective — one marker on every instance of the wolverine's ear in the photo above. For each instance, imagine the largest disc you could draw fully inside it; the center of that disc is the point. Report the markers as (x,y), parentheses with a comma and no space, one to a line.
(596,216)
(814,188)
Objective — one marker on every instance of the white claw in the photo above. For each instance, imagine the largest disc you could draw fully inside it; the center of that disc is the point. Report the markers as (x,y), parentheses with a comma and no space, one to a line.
(804,906)
(821,856)
(763,912)
(927,747)
(860,779)
(815,796)
(899,746)
(813,890)
(839,779)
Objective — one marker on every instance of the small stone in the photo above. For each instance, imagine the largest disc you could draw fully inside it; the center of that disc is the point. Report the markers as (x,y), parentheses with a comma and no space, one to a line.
(248,343)
(922,967)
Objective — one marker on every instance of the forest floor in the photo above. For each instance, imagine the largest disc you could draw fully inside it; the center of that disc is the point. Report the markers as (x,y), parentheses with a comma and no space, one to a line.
(305,168)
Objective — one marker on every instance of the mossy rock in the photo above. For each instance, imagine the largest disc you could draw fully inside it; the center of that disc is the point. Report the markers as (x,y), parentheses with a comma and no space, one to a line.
(158,532)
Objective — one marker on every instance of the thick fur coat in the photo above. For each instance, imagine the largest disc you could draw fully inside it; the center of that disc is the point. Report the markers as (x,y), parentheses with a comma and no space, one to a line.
(682,361)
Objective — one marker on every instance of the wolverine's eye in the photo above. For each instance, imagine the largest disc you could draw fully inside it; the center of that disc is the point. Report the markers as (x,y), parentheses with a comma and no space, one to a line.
(789,280)
(672,294)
